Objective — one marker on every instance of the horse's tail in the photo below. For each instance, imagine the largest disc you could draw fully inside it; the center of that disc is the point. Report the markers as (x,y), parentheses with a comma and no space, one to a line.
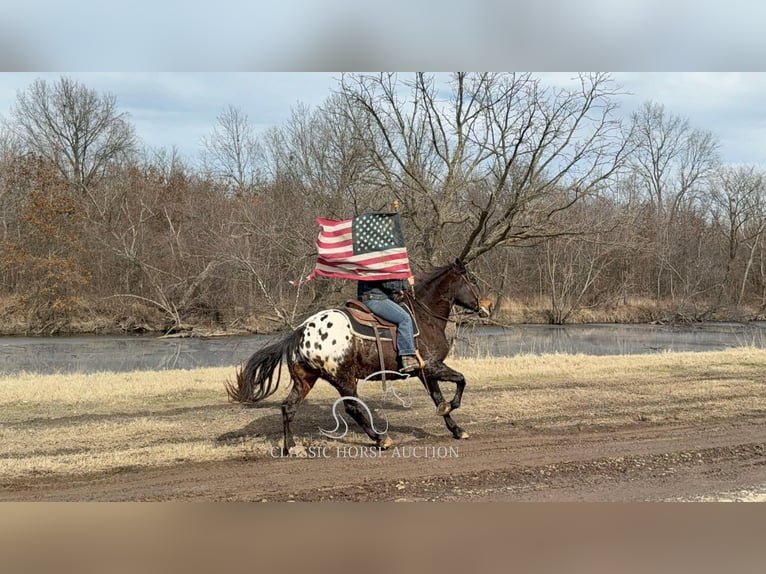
(256,380)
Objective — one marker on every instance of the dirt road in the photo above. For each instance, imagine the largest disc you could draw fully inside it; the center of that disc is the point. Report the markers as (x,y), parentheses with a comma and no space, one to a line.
(687,426)
(724,460)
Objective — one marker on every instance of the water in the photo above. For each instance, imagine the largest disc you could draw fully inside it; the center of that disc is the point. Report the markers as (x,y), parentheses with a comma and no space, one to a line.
(122,353)
(608,339)
(127,353)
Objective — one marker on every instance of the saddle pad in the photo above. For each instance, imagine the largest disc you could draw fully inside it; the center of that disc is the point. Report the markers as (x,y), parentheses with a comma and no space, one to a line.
(367,332)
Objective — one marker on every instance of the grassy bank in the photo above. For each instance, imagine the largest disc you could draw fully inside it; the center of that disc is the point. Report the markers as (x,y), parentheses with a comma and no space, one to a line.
(630,310)
(114,316)
(105,422)
(18,316)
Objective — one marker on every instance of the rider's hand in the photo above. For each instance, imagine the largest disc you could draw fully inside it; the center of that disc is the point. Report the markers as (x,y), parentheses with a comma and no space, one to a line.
(411,281)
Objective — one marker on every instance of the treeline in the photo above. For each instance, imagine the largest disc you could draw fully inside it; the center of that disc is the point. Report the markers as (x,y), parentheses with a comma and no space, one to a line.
(566,210)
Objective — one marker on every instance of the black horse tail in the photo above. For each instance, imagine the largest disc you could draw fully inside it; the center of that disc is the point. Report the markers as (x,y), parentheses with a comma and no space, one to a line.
(256,380)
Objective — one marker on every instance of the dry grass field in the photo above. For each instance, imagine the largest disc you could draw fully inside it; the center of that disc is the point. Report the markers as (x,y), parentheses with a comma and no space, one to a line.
(59,428)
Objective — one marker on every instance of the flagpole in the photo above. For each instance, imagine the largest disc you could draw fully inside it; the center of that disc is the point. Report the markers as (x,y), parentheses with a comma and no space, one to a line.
(396,205)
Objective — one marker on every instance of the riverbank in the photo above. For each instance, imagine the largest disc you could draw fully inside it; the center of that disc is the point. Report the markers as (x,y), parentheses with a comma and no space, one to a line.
(119,317)
(548,427)
(132,317)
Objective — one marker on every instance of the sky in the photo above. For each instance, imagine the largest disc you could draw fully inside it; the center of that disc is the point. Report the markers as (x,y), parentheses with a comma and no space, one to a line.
(177,109)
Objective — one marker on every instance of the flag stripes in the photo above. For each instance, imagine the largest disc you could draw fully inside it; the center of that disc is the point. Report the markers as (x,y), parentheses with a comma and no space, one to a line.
(370,246)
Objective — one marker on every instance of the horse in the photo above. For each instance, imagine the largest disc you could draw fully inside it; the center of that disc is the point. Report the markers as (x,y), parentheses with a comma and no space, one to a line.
(324,346)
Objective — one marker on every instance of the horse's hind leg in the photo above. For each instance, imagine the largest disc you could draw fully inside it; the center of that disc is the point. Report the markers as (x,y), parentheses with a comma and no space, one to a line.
(347,390)
(303,382)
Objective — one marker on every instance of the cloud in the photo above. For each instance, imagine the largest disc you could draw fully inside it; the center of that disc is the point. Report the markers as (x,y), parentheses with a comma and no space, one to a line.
(728,104)
(178,109)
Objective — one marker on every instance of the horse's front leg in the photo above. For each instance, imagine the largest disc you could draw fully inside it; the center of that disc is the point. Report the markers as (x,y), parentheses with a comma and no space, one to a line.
(442,372)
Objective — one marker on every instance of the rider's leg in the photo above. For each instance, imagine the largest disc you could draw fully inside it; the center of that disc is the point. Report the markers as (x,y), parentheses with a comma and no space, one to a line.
(405,338)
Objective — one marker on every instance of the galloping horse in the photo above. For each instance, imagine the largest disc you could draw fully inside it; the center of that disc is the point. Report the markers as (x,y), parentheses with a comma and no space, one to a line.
(324,346)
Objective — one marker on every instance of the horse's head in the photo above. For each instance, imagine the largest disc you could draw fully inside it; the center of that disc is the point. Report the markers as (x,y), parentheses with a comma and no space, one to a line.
(466,292)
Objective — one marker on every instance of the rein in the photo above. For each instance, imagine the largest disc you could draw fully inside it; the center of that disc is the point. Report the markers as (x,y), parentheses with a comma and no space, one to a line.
(411,297)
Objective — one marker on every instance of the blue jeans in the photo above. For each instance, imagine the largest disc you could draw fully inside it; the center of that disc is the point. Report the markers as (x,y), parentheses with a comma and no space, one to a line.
(390,311)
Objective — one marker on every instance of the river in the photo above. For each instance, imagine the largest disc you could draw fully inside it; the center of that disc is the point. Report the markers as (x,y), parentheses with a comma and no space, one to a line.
(129,353)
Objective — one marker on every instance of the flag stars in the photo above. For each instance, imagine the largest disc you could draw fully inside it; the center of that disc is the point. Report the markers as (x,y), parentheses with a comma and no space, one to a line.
(372,246)
(375,232)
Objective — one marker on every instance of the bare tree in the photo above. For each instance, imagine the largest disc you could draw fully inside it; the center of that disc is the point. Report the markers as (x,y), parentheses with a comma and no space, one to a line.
(672,164)
(323,154)
(8,158)
(585,270)
(78,130)
(672,159)
(737,195)
(491,162)
(232,151)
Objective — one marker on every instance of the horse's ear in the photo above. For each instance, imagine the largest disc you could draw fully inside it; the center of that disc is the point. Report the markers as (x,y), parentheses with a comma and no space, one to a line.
(459,265)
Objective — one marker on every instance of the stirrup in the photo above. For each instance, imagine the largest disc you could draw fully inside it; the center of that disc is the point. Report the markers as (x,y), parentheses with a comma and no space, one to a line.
(410,363)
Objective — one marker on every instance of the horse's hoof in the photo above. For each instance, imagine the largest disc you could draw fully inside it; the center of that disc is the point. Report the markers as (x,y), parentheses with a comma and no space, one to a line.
(298,451)
(385,442)
(444,409)
(460,434)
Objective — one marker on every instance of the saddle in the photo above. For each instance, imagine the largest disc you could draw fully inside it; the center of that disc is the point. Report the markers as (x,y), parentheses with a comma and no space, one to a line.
(366,325)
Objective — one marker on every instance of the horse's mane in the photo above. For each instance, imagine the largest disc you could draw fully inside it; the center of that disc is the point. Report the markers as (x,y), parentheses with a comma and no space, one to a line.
(428,285)
(430,276)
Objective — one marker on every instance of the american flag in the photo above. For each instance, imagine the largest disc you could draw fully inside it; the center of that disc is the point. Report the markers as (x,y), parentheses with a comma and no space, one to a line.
(369,246)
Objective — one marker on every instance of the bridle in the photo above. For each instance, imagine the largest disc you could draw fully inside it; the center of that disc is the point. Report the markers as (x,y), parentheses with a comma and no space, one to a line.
(472,286)
(410,296)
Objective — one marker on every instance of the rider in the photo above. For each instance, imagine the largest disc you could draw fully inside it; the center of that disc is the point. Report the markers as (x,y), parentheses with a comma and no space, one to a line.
(379,298)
